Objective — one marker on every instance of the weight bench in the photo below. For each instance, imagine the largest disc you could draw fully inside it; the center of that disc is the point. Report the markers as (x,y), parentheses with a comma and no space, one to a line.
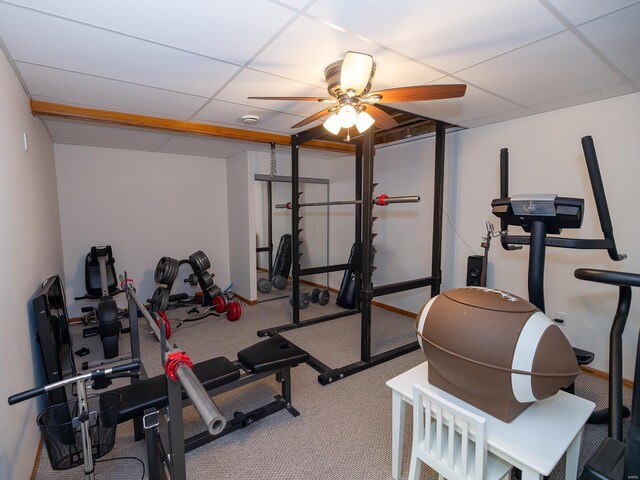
(274,356)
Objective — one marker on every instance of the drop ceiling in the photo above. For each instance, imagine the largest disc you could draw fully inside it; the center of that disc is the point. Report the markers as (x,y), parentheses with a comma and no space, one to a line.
(199,60)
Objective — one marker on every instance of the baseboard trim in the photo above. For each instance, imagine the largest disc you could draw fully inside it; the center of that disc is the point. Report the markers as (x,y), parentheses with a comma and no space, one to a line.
(36,462)
(244,300)
(604,375)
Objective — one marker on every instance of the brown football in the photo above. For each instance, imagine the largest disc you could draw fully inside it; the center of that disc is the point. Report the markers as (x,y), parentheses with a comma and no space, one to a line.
(494,350)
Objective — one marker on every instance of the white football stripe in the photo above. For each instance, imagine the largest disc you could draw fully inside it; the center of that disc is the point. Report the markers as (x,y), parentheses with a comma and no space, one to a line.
(423,317)
(524,354)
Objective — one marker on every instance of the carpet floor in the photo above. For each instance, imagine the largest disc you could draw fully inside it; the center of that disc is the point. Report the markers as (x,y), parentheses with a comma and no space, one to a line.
(344,430)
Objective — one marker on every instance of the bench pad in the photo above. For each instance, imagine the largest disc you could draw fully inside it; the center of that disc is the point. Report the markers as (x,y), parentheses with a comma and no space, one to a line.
(152,392)
(272,354)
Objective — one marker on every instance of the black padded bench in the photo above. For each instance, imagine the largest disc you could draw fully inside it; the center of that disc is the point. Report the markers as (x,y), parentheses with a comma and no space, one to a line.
(273,356)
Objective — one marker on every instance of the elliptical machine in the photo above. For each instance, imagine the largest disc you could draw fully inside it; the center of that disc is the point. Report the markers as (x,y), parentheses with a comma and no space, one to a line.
(614,459)
(543,214)
(101,284)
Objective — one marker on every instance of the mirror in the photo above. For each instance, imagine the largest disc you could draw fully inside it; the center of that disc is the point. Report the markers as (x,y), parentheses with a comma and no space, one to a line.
(273,223)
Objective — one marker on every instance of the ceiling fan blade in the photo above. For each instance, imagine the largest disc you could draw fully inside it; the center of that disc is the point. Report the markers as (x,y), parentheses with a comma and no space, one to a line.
(421,92)
(355,72)
(296,99)
(313,118)
(384,121)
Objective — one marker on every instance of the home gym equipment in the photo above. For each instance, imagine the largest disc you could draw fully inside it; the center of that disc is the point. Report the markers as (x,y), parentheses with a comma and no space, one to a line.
(82,430)
(349,293)
(494,350)
(304,299)
(362,266)
(281,267)
(321,297)
(614,459)
(101,284)
(544,214)
(160,401)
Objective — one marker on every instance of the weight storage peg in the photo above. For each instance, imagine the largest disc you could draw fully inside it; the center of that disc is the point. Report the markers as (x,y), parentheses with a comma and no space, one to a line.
(233,310)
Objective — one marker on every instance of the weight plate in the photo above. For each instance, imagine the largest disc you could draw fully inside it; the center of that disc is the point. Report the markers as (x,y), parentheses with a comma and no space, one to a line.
(215,290)
(234,311)
(200,260)
(207,280)
(165,322)
(279,282)
(324,297)
(160,299)
(219,304)
(315,293)
(291,299)
(166,270)
(304,301)
(264,285)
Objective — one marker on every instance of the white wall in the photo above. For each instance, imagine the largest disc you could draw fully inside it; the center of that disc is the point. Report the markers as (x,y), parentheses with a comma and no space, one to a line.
(242,224)
(145,205)
(545,156)
(32,251)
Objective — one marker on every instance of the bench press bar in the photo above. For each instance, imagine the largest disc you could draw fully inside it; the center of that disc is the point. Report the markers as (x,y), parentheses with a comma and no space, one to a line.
(383,200)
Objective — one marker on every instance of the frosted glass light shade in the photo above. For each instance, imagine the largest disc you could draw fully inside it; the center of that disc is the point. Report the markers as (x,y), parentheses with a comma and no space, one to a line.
(364,121)
(332,124)
(355,72)
(347,116)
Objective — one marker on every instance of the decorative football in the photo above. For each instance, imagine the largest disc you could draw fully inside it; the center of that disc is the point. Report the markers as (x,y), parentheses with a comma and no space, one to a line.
(494,350)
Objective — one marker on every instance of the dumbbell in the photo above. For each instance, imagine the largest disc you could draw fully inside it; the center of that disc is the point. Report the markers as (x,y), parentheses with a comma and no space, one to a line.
(232,309)
(321,297)
(303,300)
(279,282)
(264,285)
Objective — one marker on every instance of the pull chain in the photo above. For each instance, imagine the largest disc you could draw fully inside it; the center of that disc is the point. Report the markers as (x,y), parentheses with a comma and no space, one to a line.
(274,164)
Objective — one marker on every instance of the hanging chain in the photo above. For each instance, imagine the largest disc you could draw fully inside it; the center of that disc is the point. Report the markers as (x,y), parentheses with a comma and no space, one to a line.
(274,163)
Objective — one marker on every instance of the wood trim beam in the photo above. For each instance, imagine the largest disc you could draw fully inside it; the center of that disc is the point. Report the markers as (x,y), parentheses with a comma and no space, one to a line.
(56,110)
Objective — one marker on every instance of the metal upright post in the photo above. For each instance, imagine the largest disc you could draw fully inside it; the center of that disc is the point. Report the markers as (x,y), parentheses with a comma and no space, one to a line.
(366,292)
(295,212)
(438,200)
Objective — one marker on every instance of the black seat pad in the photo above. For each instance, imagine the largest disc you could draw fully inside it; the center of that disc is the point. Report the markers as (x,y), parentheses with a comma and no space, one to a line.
(152,393)
(272,354)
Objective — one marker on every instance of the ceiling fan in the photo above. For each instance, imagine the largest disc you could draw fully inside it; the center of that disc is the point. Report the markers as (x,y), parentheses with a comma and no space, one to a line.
(353,102)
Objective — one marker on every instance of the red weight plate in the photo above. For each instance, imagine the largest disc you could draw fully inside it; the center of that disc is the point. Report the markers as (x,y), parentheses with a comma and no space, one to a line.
(219,304)
(167,325)
(234,311)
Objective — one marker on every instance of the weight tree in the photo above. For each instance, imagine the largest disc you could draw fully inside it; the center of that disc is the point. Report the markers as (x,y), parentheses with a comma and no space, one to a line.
(363,203)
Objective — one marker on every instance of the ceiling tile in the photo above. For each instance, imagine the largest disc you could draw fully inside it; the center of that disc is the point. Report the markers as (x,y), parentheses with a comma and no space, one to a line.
(59,43)
(586,97)
(475,103)
(617,36)
(258,84)
(219,112)
(205,147)
(580,11)
(60,86)
(200,26)
(541,72)
(499,117)
(304,50)
(448,35)
(99,135)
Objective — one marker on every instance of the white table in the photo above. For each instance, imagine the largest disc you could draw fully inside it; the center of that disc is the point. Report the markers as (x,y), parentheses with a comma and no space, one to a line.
(534,442)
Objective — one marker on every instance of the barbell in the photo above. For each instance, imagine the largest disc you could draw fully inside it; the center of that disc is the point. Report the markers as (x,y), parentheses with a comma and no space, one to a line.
(382,201)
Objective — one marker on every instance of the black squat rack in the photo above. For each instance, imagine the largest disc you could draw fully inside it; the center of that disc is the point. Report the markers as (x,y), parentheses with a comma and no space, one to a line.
(363,204)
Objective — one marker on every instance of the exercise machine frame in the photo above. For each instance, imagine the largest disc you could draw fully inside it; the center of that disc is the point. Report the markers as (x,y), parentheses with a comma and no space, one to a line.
(364,154)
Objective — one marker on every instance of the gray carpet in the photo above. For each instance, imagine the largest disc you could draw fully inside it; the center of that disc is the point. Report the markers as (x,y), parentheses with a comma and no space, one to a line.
(344,430)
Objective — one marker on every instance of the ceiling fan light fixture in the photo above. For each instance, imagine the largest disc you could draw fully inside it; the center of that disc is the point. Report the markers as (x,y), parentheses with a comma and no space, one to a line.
(347,116)
(364,122)
(332,124)
(355,73)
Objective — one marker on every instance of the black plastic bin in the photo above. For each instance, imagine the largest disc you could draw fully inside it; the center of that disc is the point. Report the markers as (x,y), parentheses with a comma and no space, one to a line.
(64,442)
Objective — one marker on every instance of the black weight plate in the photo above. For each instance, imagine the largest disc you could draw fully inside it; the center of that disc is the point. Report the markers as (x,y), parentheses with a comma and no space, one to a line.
(192,280)
(215,291)
(324,297)
(160,299)
(279,282)
(264,285)
(200,260)
(315,294)
(166,270)
(304,301)
(207,280)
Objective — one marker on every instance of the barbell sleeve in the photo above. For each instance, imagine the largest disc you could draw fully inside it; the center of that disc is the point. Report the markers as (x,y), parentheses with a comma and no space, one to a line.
(211,415)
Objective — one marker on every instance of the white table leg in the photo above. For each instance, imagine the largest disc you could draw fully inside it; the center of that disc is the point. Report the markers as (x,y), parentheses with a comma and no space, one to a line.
(398,409)
(573,457)
(528,474)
